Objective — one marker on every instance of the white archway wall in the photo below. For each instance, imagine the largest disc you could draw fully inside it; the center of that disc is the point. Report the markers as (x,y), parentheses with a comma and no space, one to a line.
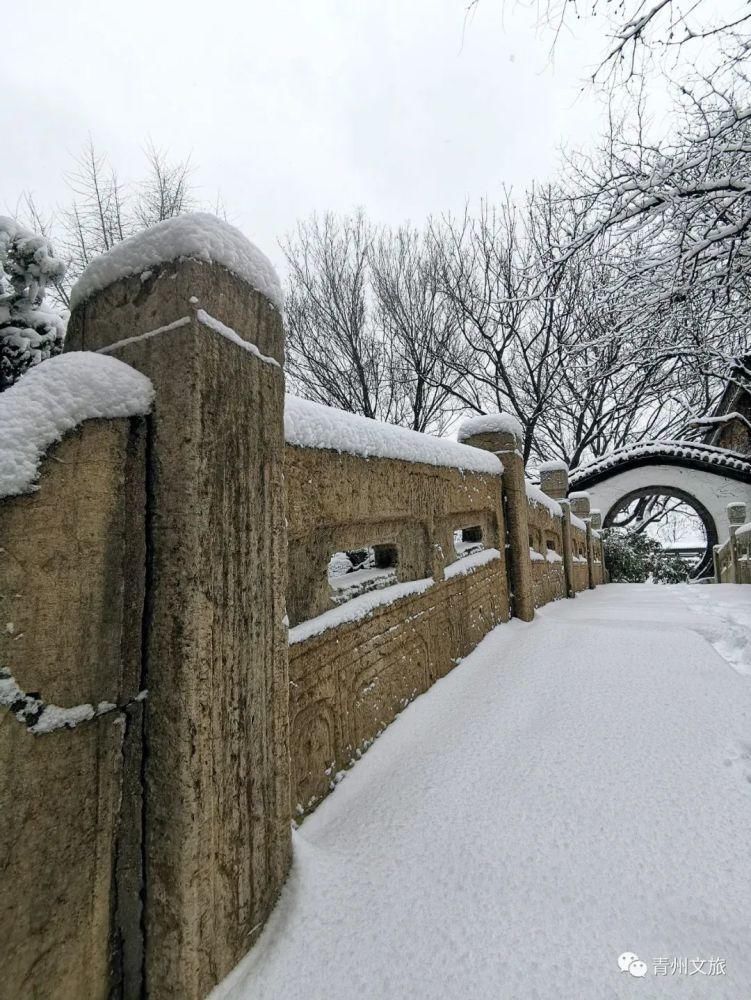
(710,489)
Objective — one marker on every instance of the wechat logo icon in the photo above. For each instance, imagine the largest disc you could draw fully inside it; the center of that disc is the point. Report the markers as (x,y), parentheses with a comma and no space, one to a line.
(629,962)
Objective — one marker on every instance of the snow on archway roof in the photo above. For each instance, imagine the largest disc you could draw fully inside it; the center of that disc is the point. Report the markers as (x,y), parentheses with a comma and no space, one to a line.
(677,452)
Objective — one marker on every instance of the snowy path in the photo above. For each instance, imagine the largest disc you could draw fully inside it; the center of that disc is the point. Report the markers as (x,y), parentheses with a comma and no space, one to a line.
(577,788)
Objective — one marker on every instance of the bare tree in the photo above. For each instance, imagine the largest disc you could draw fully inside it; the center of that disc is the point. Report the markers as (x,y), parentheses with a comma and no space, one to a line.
(688,205)
(507,318)
(641,31)
(368,328)
(416,321)
(104,211)
(333,353)
(164,193)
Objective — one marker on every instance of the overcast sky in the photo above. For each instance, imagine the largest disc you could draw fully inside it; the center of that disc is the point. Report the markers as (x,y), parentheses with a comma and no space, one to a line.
(289,107)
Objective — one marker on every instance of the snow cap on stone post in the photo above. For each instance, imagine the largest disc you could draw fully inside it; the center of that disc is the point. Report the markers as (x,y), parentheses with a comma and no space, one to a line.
(554,479)
(580,503)
(193,268)
(736,513)
(497,432)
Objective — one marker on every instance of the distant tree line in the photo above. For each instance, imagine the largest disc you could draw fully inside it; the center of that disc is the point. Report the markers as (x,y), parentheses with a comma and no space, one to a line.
(483,312)
(605,309)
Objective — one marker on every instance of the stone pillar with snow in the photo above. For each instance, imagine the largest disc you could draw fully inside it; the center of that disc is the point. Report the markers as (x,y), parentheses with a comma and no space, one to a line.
(736,517)
(554,479)
(502,434)
(580,504)
(554,482)
(580,507)
(196,307)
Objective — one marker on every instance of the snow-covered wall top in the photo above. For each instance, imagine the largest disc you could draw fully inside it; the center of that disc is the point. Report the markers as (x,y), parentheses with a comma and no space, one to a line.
(54,397)
(745,529)
(198,236)
(690,451)
(489,423)
(312,425)
(536,496)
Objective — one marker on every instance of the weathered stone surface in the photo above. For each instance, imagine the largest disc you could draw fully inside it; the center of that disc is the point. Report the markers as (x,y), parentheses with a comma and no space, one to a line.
(71,592)
(348,683)
(546,535)
(580,562)
(580,504)
(136,306)
(598,560)
(741,564)
(554,482)
(506,446)
(568,549)
(339,502)
(217,834)
(736,513)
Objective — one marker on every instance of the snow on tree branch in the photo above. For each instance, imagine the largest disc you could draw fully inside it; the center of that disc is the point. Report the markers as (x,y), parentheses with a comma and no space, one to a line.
(29,332)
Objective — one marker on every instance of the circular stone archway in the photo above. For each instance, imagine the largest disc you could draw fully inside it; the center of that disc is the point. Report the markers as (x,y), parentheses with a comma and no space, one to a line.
(704,566)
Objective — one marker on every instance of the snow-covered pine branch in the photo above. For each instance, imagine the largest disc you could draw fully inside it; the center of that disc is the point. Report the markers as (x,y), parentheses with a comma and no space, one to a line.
(29,332)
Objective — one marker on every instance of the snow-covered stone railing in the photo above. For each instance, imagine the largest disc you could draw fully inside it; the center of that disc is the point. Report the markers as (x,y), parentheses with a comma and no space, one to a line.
(353,484)
(178,678)
(545,517)
(732,560)
(143,640)
(581,543)
(356,485)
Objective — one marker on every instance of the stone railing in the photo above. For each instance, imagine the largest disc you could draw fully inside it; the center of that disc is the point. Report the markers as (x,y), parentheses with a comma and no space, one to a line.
(353,667)
(163,719)
(732,560)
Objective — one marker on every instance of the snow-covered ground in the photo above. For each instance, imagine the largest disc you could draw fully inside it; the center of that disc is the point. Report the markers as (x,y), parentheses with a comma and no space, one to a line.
(578,788)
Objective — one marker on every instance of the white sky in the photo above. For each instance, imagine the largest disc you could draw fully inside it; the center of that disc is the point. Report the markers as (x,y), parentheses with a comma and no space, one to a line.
(287,107)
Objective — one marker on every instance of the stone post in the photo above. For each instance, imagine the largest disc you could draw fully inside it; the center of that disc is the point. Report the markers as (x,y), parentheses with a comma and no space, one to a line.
(716,564)
(503,435)
(554,479)
(580,507)
(568,551)
(595,519)
(216,760)
(736,514)
(736,517)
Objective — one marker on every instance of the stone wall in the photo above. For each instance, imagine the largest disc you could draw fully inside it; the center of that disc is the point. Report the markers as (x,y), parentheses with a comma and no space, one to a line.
(351,680)
(160,721)
(339,501)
